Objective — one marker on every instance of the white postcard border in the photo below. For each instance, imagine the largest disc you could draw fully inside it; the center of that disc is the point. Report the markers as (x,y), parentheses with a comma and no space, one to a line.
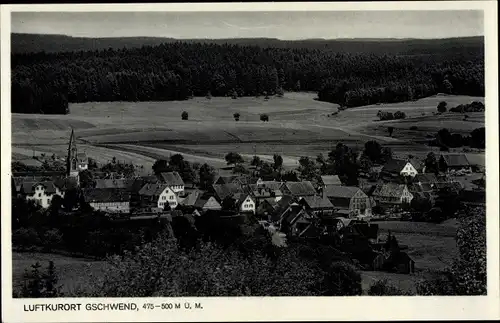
(271,308)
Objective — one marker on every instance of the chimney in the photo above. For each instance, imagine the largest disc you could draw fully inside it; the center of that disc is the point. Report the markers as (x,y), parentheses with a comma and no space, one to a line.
(323,192)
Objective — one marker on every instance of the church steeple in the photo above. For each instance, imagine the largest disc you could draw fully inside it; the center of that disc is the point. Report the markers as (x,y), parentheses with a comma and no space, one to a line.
(72,160)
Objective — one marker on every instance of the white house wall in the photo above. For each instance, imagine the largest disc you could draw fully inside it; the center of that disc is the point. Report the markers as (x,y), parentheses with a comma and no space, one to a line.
(169,196)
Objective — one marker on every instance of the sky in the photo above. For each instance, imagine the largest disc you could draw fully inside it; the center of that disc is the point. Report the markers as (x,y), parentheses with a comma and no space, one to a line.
(283,25)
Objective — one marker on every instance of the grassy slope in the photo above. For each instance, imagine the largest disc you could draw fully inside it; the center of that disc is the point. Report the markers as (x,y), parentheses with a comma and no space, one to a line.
(432,247)
(72,272)
(298,126)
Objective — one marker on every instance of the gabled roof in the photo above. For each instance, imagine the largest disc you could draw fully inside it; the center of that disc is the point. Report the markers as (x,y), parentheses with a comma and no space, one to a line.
(82,157)
(104,195)
(304,188)
(340,202)
(227,179)
(318,202)
(450,185)
(114,183)
(273,185)
(284,203)
(425,178)
(389,190)
(224,190)
(260,192)
(172,179)
(66,183)
(241,197)
(139,182)
(191,198)
(152,189)
(395,165)
(331,180)
(29,187)
(333,191)
(456,160)
(293,214)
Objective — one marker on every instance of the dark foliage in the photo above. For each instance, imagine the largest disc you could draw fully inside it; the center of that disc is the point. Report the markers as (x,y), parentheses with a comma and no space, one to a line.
(46,82)
(475,106)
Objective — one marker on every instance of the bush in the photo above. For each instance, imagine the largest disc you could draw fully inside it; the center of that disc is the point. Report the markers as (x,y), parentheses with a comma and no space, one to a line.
(236,116)
(264,117)
(383,115)
(52,239)
(413,128)
(41,285)
(184,115)
(26,238)
(442,107)
(233,158)
(342,279)
(467,275)
(383,288)
(399,115)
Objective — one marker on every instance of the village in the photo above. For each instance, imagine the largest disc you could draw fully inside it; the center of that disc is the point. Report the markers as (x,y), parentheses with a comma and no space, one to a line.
(326,210)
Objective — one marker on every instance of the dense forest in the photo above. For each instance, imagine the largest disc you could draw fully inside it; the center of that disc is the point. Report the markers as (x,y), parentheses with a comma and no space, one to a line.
(46,82)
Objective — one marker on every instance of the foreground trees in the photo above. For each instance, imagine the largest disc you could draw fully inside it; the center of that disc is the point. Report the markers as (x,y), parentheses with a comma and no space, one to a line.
(250,268)
(467,275)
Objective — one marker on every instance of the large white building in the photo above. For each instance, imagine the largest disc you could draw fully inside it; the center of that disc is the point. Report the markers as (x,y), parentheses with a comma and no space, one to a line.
(40,192)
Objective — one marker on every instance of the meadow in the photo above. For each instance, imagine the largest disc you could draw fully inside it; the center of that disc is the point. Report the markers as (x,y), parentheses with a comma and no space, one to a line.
(299,125)
(73,273)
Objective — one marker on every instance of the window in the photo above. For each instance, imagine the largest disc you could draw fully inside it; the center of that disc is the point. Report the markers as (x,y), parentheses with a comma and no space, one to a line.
(164,197)
(171,197)
(39,194)
(161,203)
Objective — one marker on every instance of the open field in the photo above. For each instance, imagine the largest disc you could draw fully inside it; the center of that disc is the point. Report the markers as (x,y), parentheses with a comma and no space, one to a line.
(73,272)
(431,245)
(298,126)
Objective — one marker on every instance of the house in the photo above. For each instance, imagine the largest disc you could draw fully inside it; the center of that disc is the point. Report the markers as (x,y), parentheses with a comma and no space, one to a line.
(399,262)
(40,192)
(227,179)
(173,180)
(201,200)
(246,203)
(392,194)
(398,167)
(349,201)
(298,189)
(156,196)
(318,204)
(261,193)
(108,199)
(114,183)
(455,162)
(425,178)
(281,207)
(330,180)
(266,207)
(298,222)
(221,191)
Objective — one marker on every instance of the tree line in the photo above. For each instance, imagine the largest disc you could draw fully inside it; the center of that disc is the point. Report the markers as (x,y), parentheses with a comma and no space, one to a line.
(47,82)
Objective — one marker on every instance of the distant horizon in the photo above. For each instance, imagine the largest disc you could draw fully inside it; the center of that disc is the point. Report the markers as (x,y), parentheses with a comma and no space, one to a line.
(274,38)
(282,25)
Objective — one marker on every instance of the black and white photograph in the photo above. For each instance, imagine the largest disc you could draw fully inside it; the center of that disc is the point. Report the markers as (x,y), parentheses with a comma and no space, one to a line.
(205,153)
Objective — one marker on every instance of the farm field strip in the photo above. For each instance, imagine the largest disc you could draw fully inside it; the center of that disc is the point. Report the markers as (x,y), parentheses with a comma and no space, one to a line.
(423,228)
(158,153)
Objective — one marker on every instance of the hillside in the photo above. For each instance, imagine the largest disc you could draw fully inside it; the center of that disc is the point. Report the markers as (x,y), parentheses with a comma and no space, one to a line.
(46,82)
(28,43)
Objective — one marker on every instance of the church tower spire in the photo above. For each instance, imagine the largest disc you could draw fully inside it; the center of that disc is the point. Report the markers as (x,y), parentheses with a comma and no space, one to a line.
(72,160)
